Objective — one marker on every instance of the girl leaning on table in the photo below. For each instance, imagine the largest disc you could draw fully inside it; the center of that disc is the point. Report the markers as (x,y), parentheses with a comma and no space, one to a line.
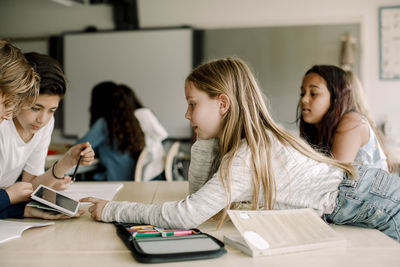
(334,119)
(25,138)
(242,156)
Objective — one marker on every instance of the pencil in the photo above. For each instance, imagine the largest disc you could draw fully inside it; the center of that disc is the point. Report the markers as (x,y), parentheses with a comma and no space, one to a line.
(76,169)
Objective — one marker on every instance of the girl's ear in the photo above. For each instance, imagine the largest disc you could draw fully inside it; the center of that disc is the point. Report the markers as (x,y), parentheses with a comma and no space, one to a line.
(224,103)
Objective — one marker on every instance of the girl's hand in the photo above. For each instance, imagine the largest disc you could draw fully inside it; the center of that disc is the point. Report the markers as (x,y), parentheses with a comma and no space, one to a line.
(38,213)
(84,149)
(97,209)
(19,192)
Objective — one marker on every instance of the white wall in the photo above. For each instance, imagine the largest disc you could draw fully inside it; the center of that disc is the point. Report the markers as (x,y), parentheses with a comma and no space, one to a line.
(23,18)
(33,18)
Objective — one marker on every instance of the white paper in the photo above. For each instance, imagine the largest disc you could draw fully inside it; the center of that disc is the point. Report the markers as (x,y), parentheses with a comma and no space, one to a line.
(11,229)
(80,190)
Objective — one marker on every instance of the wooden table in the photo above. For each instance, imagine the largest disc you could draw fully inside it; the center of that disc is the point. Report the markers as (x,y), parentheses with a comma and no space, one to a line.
(84,242)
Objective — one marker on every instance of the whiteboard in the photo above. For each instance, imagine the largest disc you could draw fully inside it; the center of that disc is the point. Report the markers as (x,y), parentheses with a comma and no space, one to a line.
(389,28)
(154,63)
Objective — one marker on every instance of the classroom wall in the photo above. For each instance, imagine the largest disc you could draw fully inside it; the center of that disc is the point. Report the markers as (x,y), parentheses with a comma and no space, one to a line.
(24,18)
(279,56)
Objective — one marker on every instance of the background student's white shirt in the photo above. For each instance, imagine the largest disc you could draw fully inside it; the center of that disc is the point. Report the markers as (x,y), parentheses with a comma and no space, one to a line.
(17,155)
(154,134)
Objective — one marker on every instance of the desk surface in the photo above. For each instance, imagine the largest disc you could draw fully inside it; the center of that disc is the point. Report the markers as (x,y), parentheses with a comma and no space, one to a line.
(84,242)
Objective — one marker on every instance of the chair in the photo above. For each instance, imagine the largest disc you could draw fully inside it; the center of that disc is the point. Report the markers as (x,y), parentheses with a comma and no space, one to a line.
(169,162)
(140,165)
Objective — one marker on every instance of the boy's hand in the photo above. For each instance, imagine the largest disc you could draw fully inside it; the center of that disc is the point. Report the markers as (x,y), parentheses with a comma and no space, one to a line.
(96,209)
(41,214)
(19,192)
(62,184)
(83,149)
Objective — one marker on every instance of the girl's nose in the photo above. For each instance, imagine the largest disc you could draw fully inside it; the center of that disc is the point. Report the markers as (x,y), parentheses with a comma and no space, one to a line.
(187,114)
(304,99)
(40,117)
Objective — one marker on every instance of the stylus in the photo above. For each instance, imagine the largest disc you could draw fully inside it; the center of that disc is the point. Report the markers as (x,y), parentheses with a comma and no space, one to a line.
(76,169)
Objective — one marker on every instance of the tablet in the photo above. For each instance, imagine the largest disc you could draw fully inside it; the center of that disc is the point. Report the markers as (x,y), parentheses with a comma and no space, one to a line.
(176,245)
(54,199)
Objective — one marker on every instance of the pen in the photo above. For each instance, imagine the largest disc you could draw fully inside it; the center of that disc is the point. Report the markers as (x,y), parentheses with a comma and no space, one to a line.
(142,227)
(76,169)
(150,234)
(154,231)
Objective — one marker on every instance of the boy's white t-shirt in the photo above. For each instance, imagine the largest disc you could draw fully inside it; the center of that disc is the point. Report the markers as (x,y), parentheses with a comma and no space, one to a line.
(16,155)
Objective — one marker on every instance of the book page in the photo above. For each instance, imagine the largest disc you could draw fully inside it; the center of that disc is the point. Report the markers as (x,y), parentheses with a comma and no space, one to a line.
(80,190)
(285,230)
(11,229)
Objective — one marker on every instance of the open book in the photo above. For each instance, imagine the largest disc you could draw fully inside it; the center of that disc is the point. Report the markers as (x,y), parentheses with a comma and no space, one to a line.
(271,232)
(12,229)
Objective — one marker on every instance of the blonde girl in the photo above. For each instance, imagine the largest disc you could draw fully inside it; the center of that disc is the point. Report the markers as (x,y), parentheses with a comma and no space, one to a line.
(19,82)
(242,156)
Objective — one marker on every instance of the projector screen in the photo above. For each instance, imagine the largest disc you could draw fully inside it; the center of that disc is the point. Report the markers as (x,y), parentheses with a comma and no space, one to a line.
(154,63)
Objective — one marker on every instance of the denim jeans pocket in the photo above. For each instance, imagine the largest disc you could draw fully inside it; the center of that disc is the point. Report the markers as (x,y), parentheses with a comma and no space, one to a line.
(357,212)
(384,186)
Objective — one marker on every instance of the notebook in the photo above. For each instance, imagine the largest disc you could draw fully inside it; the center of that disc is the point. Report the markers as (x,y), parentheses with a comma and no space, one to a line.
(272,232)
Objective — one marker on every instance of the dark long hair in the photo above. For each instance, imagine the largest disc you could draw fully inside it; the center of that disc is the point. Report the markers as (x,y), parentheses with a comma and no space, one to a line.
(341,102)
(117,104)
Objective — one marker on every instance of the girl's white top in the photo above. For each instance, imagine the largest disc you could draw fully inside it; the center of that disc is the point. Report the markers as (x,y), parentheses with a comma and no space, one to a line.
(154,134)
(17,156)
(301,182)
(371,153)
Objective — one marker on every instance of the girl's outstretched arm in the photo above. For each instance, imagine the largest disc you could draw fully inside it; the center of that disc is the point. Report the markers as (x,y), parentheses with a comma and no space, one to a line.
(190,212)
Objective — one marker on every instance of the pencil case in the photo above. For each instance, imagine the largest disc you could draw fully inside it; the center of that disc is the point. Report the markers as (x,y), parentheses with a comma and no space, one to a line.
(166,247)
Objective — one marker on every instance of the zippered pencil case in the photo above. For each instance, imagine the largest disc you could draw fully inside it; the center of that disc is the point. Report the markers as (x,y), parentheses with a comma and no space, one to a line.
(150,244)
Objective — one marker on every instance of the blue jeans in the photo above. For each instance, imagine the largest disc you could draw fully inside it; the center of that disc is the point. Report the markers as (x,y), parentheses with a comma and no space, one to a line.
(372,201)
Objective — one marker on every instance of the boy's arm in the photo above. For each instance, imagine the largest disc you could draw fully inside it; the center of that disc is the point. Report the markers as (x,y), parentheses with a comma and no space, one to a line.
(10,211)
(68,161)
(4,200)
(202,157)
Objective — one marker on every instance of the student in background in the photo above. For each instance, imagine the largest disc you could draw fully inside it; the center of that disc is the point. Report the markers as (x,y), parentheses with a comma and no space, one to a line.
(24,140)
(120,128)
(334,122)
(241,155)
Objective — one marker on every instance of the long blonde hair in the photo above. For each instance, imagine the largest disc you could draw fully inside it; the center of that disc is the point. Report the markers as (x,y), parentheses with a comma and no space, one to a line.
(248,118)
(19,83)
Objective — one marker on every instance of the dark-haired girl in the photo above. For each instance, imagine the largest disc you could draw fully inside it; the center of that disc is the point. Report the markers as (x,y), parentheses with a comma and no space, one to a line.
(331,122)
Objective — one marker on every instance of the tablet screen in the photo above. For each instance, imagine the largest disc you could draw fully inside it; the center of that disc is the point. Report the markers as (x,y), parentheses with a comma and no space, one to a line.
(183,245)
(57,199)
